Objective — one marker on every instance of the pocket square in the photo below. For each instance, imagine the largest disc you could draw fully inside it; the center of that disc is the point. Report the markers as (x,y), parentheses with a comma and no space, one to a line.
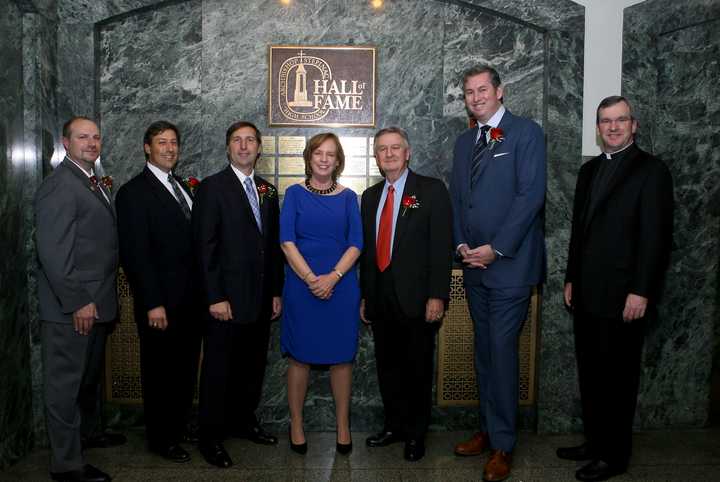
(501,154)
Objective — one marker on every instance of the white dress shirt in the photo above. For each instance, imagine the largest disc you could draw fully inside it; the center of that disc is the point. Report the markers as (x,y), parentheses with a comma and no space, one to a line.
(163,178)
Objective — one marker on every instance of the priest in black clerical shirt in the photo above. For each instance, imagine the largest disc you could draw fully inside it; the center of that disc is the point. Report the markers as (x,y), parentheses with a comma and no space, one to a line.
(619,248)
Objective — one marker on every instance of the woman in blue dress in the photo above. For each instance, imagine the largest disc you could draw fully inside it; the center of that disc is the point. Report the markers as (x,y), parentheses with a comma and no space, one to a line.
(321,236)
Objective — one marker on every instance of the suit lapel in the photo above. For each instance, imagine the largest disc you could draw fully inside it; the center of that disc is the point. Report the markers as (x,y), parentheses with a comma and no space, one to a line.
(80,174)
(236,187)
(404,215)
(163,195)
(373,199)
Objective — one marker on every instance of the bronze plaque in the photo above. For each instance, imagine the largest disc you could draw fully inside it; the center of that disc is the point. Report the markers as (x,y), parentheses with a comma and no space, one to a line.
(357,184)
(355,166)
(321,86)
(265,165)
(291,145)
(268,144)
(291,165)
(354,146)
(286,182)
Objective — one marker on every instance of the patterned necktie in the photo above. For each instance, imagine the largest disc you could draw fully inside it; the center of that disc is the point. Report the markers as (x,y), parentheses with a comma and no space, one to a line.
(97,185)
(477,154)
(252,197)
(385,231)
(179,195)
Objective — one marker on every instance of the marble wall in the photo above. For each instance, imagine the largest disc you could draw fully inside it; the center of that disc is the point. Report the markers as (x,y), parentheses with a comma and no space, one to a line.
(204,66)
(670,72)
(15,414)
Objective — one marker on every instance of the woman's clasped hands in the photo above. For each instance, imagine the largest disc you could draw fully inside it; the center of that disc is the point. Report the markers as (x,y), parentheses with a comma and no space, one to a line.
(322,286)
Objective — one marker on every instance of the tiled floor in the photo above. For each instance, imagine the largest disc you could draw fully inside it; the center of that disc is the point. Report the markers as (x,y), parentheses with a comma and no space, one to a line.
(683,456)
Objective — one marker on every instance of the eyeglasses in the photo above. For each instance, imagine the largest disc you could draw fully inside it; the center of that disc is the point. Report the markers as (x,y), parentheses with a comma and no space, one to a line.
(619,120)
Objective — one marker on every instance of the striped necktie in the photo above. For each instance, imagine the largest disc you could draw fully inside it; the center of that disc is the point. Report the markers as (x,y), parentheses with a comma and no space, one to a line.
(184,207)
(477,154)
(252,197)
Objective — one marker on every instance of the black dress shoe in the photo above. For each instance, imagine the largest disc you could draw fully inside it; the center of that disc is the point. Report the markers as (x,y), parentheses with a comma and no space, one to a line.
(259,436)
(86,474)
(215,454)
(598,470)
(173,453)
(383,439)
(577,453)
(343,449)
(103,440)
(414,450)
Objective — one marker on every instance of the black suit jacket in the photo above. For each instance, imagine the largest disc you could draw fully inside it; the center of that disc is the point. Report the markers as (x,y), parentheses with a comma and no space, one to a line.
(156,250)
(623,245)
(422,249)
(239,263)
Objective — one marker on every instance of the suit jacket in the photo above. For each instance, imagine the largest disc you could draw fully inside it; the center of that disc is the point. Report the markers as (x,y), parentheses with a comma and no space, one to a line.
(238,263)
(623,245)
(156,249)
(77,246)
(505,206)
(422,248)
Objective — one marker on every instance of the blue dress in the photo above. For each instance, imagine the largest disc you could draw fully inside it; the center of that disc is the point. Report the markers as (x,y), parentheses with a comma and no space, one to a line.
(316,331)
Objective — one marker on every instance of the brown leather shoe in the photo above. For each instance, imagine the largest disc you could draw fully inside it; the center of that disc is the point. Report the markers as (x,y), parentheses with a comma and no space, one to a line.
(498,467)
(475,446)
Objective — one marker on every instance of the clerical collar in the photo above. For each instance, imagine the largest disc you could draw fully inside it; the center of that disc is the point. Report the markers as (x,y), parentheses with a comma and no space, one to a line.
(619,153)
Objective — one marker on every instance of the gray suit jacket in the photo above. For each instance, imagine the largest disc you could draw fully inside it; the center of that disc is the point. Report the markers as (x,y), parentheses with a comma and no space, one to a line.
(77,246)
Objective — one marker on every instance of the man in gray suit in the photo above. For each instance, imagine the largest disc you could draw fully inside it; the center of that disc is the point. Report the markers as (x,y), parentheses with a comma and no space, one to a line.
(78,252)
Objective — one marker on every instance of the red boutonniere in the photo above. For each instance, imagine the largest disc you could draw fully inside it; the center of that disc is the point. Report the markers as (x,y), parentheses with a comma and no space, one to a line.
(106,181)
(266,190)
(192,183)
(409,202)
(496,136)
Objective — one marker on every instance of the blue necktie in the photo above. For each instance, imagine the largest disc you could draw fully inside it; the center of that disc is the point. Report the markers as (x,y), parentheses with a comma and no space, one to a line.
(252,197)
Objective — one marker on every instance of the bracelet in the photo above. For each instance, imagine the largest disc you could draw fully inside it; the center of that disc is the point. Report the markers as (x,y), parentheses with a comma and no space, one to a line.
(338,273)
(306,275)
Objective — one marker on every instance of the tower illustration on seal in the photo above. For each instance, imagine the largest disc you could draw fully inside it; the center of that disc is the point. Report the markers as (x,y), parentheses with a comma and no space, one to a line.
(300,96)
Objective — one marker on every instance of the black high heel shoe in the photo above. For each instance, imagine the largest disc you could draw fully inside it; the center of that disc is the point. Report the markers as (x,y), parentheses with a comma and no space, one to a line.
(297,448)
(343,449)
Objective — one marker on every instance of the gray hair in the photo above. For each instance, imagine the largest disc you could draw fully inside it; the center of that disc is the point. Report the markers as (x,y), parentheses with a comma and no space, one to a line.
(391,130)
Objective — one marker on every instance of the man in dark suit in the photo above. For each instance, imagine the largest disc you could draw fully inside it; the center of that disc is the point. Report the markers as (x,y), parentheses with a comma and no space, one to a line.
(78,254)
(157,255)
(498,194)
(236,231)
(619,248)
(405,282)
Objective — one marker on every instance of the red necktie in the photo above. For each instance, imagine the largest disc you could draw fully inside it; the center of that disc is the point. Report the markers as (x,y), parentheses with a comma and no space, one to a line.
(385,231)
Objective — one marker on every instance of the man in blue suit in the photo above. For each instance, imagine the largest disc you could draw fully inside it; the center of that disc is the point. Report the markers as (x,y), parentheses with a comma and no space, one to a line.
(498,192)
